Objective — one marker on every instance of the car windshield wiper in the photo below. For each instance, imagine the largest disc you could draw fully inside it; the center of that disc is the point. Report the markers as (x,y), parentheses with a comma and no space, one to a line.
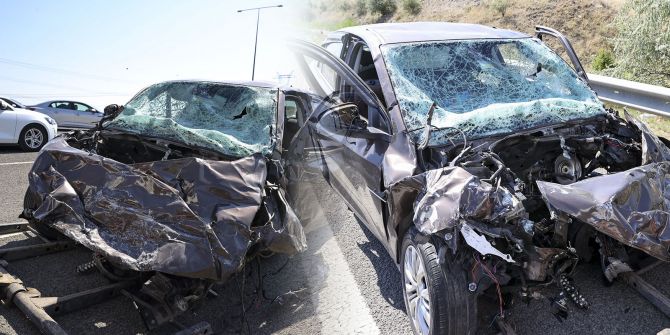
(428,127)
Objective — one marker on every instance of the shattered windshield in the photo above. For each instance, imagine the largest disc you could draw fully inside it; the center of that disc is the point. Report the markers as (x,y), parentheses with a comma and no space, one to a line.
(231,119)
(485,87)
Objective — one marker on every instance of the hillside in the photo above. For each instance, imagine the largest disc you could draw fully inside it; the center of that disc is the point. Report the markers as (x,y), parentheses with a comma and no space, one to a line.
(584,22)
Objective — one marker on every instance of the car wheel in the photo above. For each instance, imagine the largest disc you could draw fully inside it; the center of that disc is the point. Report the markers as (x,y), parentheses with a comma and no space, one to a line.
(33,137)
(437,299)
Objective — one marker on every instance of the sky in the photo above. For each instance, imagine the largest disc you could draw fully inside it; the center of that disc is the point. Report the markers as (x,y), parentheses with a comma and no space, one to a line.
(102,52)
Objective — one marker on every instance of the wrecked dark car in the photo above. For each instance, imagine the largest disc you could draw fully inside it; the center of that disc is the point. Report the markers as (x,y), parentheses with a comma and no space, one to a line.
(481,159)
(178,188)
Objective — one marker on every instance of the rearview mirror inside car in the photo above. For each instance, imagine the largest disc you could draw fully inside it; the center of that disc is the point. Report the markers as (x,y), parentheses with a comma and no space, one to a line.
(3,105)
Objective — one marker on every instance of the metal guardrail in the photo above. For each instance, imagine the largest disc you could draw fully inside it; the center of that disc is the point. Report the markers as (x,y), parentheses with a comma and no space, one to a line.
(643,97)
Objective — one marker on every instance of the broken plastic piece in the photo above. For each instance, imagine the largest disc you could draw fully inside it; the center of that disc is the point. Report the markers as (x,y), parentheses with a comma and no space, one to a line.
(481,244)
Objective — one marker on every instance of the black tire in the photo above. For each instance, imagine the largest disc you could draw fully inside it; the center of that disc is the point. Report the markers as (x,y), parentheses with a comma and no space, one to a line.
(453,309)
(34,131)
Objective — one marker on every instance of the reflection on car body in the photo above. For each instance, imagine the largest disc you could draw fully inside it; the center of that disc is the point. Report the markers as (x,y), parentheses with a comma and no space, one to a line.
(178,189)
(480,158)
(69,114)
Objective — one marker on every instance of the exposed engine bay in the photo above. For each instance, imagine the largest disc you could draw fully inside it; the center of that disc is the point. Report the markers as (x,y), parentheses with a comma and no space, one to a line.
(529,206)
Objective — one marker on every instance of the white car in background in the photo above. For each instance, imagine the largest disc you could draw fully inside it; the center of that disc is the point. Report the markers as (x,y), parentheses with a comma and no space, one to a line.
(29,129)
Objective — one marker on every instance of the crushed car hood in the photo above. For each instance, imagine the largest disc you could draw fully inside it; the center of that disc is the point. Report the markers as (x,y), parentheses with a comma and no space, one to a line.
(632,206)
(188,217)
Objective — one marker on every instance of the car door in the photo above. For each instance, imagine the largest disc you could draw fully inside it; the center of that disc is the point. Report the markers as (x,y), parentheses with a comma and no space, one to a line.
(352,130)
(86,117)
(61,111)
(541,32)
(8,125)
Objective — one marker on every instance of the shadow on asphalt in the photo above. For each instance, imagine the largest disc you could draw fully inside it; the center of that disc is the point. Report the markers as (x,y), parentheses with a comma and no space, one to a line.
(10,149)
(388,278)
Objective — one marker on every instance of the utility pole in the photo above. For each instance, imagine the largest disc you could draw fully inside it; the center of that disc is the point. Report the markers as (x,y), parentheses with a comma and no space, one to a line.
(258,19)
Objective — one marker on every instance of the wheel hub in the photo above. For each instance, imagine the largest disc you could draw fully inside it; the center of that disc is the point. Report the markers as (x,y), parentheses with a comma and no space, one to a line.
(416,290)
(33,138)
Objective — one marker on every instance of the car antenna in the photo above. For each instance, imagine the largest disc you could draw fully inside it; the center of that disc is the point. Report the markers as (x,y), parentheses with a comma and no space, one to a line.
(429,127)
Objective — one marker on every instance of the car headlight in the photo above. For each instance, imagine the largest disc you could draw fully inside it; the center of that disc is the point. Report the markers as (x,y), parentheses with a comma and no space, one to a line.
(50,120)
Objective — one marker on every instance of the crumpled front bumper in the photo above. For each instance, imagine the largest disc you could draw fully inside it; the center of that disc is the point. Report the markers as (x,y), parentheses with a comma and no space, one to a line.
(632,206)
(188,217)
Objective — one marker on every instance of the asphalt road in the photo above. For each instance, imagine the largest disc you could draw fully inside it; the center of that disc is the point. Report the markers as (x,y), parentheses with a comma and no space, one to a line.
(344,284)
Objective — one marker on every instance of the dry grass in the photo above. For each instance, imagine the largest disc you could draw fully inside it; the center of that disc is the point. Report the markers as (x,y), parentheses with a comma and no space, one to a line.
(584,22)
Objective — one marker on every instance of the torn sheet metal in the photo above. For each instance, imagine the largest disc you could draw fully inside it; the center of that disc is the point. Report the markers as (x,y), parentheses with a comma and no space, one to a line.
(188,217)
(653,149)
(632,206)
(453,193)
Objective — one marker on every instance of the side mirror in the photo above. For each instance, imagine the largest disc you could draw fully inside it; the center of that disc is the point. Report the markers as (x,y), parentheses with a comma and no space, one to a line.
(347,120)
(112,111)
(346,117)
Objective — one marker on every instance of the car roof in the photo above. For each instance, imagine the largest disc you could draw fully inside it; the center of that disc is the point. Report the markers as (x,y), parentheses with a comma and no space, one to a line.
(386,33)
(255,83)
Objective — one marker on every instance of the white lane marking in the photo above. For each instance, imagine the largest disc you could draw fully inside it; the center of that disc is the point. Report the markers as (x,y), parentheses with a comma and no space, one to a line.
(340,306)
(16,163)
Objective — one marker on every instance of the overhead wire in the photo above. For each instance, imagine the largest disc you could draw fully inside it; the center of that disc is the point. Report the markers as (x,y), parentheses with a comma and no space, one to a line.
(61,71)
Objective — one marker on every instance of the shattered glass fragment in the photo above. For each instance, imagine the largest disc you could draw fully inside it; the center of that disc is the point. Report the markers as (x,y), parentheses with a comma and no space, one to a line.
(233,120)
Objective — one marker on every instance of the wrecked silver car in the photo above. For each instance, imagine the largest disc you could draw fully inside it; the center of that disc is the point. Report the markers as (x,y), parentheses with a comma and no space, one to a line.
(481,159)
(177,189)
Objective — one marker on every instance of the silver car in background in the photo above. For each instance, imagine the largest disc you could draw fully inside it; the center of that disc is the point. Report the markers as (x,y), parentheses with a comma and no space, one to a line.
(70,114)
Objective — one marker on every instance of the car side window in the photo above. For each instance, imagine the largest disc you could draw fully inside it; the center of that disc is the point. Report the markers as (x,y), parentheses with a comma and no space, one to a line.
(335,48)
(63,105)
(362,63)
(81,107)
(294,114)
(340,90)
(291,110)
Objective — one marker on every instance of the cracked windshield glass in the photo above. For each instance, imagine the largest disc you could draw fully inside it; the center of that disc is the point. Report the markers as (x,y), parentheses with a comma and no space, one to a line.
(233,120)
(485,87)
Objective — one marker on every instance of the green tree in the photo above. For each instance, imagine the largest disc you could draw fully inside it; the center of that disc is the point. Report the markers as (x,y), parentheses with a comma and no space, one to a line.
(383,7)
(499,6)
(642,46)
(604,60)
(412,6)
(361,7)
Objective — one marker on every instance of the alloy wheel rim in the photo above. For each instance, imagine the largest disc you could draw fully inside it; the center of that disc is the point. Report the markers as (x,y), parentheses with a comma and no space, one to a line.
(416,290)
(33,138)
